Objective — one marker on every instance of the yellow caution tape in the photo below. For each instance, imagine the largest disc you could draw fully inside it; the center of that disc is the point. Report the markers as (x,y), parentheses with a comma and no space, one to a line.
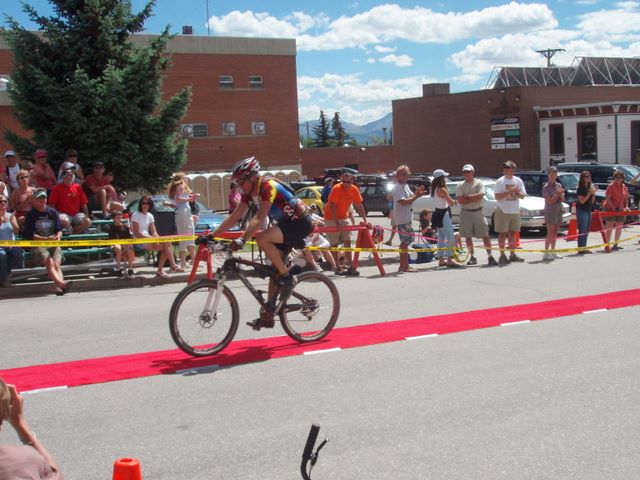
(96,243)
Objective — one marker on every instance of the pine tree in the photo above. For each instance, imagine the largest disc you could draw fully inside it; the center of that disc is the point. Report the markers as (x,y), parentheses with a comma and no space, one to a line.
(80,83)
(321,132)
(340,136)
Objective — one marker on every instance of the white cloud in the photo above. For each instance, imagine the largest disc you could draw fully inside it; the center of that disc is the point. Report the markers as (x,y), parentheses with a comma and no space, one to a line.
(604,24)
(398,60)
(385,23)
(371,60)
(586,2)
(359,101)
(383,49)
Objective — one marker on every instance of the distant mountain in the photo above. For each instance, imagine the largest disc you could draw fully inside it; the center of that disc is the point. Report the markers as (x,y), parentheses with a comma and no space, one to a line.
(371,133)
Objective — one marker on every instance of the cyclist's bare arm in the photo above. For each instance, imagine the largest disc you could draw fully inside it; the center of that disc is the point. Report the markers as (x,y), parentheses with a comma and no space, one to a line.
(231,220)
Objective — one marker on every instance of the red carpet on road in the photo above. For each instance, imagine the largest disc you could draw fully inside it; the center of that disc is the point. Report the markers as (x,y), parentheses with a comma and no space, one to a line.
(121,367)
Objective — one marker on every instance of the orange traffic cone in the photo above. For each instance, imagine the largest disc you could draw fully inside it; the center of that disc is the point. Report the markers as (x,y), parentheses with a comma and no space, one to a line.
(517,239)
(127,469)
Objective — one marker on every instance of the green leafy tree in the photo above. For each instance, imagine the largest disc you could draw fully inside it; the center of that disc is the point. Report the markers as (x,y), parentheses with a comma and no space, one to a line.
(80,82)
(321,132)
(340,136)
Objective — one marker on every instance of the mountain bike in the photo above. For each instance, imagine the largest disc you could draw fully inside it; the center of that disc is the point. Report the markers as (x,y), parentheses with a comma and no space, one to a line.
(205,315)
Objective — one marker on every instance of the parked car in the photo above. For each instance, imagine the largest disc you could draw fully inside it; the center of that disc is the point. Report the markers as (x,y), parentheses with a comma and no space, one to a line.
(312,196)
(602,174)
(534,181)
(374,190)
(531,207)
(165,215)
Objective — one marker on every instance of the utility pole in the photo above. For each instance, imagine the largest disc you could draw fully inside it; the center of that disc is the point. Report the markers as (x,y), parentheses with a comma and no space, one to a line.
(208,28)
(549,53)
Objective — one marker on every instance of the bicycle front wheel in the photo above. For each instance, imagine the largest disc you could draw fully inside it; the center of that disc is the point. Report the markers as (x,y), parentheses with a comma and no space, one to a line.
(197,328)
(312,309)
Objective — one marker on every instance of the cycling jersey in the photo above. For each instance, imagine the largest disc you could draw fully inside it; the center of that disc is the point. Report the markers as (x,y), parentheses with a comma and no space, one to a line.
(284,205)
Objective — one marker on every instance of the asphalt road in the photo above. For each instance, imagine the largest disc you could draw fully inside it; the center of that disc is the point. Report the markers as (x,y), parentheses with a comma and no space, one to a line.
(551,399)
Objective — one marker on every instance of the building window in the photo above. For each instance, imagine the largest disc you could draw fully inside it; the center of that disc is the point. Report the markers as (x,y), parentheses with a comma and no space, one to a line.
(4,82)
(256,81)
(229,128)
(225,81)
(587,141)
(258,128)
(556,139)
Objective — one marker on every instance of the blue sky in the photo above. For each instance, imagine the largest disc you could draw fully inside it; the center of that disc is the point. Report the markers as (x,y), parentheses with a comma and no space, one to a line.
(356,56)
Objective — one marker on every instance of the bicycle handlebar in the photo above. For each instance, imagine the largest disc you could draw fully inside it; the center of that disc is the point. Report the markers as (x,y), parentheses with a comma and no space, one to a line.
(311,441)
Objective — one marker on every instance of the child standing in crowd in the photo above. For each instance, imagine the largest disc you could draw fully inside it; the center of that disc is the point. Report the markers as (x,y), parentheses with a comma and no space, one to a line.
(118,230)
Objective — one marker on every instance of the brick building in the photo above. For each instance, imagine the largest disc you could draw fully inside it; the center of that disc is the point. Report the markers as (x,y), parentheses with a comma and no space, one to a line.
(560,115)
(244,99)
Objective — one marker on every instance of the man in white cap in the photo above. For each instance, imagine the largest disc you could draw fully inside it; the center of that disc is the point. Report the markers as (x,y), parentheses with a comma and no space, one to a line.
(12,169)
(509,191)
(473,224)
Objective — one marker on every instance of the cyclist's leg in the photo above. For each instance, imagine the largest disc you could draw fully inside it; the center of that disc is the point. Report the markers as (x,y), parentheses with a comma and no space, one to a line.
(267,240)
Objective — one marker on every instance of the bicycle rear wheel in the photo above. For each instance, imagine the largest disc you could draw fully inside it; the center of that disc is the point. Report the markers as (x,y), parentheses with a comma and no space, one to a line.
(195,327)
(312,309)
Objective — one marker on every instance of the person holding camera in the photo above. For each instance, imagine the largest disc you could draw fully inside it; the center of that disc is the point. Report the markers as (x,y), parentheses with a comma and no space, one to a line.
(31,460)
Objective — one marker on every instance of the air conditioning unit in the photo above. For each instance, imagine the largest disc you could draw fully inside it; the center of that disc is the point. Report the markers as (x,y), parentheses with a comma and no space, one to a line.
(229,128)
(200,130)
(258,128)
(186,130)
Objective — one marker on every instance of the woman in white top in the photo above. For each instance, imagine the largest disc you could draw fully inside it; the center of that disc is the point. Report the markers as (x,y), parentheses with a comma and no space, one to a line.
(143,225)
(441,219)
(181,194)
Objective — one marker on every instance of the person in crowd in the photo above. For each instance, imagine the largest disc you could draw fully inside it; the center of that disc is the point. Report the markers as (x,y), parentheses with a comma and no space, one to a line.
(11,169)
(473,224)
(121,253)
(10,257)
(326,190)
(389,187)
(586,194)
(181,195)
(43,223)
(553,194)
(31,460)
(42,173)
(4,189)
(234,197)
(403,199)
(441,219)
(316,239)
(101,191)
(426,230)
(21,197)
(143,226)
(69,200)
(509,190)
(617,196)
(343,195)
(71,162)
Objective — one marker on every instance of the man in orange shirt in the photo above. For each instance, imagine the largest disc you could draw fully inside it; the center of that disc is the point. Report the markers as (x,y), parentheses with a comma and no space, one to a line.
(336,214)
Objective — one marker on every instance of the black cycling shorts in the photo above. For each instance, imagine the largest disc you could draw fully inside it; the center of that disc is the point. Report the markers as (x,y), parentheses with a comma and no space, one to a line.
(294,232)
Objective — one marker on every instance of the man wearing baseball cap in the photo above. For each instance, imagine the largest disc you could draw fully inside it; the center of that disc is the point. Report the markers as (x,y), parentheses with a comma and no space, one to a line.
(12,169)
(71,162)
(509,191)
(473,224)
(43,223)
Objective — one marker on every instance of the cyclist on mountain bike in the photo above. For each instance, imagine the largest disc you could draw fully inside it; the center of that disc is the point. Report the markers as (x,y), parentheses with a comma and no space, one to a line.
(275,201)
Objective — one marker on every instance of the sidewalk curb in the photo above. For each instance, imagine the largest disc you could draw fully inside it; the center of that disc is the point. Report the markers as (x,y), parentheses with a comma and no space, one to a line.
(41,289)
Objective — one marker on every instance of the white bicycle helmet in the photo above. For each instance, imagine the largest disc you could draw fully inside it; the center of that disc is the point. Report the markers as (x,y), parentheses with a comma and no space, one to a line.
(245,168)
